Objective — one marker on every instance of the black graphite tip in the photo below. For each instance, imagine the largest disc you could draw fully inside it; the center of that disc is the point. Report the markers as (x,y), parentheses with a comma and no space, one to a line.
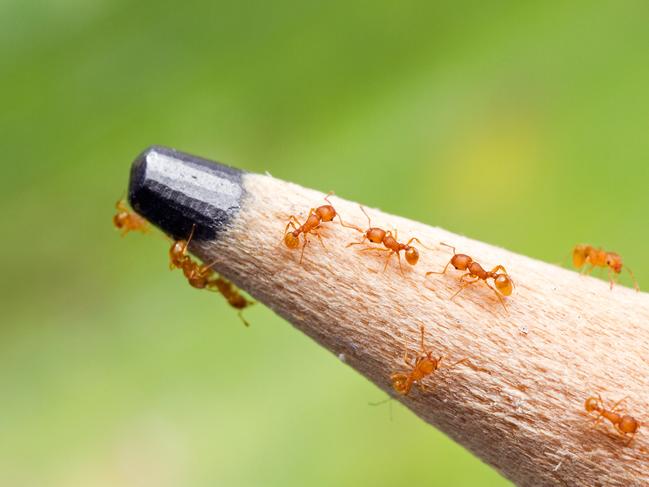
(176,191)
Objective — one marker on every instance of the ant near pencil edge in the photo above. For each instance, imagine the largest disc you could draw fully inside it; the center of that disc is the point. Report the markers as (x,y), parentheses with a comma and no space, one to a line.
(198,276)
(584,254)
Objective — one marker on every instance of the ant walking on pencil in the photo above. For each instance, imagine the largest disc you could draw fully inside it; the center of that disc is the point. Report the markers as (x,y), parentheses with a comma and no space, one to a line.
(624,424)
(316,217)
(379,236)
(475,272)
(423,366)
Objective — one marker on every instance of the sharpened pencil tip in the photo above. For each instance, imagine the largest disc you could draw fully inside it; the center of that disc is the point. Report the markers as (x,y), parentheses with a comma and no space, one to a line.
(175,191)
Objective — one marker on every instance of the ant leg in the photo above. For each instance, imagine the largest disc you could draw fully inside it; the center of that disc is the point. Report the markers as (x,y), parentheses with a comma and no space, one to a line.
(586,272)
(413,239)
(357,243)
(377,249)
(499,268)
(630,439)
(387,261)
(406,358)
(399,259)
(292,221)
(616,405)
(243,320)
(464,283)
(320,239)
(443,272)
(306,241)
(500,298)
(422,330)
(611,279)
(369,222)
(635,283)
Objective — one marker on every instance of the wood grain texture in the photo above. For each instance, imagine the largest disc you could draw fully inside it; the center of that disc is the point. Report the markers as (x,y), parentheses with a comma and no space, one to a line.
(564,338)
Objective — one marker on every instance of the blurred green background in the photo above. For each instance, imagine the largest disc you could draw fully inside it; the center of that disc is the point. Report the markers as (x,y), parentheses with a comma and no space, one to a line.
(518,123)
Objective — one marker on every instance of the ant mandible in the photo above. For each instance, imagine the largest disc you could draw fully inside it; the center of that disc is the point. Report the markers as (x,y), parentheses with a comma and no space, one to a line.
(587,254)
(128,221)
(203,277)
(624,424)
(321,214)
(379,236)
(425,364)
(462,262)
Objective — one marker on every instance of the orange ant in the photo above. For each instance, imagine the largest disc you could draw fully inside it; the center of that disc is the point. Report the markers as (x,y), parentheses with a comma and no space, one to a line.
(379,236)
(324,213)
(127,221)
(425,364)
(586,254)
(624,424)
(462,262)
(203,277)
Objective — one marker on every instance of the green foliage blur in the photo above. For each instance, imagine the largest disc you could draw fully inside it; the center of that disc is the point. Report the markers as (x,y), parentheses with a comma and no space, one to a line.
(523,124)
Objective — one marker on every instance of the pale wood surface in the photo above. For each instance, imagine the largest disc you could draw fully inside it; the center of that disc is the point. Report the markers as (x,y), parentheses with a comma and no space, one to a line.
(564,338)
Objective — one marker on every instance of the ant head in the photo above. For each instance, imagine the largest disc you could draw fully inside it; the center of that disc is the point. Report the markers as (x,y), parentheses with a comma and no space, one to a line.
(592,404)
(504,284)
(375,235)
(400,383)
(178,248)
(461,261)
(326,213)
(614,261)
(119,220)
(291,240)
(412,255)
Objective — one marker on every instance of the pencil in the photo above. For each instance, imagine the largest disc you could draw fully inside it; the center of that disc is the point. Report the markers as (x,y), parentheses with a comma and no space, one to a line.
(518,403)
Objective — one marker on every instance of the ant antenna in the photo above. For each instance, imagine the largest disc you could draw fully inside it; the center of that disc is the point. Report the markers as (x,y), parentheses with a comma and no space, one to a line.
(326,198)
(369,222)
(449,246)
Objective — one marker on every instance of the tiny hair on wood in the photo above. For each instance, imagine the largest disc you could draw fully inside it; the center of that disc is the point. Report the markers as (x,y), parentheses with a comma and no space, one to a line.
(563,337)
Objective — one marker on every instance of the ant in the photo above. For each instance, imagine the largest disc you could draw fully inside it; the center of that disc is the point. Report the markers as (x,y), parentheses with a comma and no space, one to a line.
(425,364)
(203,277)
(379,236)
(586,254)
(624,424)
(324,213)
(462,262)
(127,221)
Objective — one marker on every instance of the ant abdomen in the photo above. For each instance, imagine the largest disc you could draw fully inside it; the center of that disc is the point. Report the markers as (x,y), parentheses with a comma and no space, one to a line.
(412,256)
(291,240)
(504,284)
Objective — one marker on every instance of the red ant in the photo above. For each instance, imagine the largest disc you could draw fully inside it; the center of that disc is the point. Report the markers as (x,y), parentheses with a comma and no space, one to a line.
(624,424)
(324,213)
(203,277)
(462,262)
(586,254)
(127,221)
(379,236)
(425,364)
